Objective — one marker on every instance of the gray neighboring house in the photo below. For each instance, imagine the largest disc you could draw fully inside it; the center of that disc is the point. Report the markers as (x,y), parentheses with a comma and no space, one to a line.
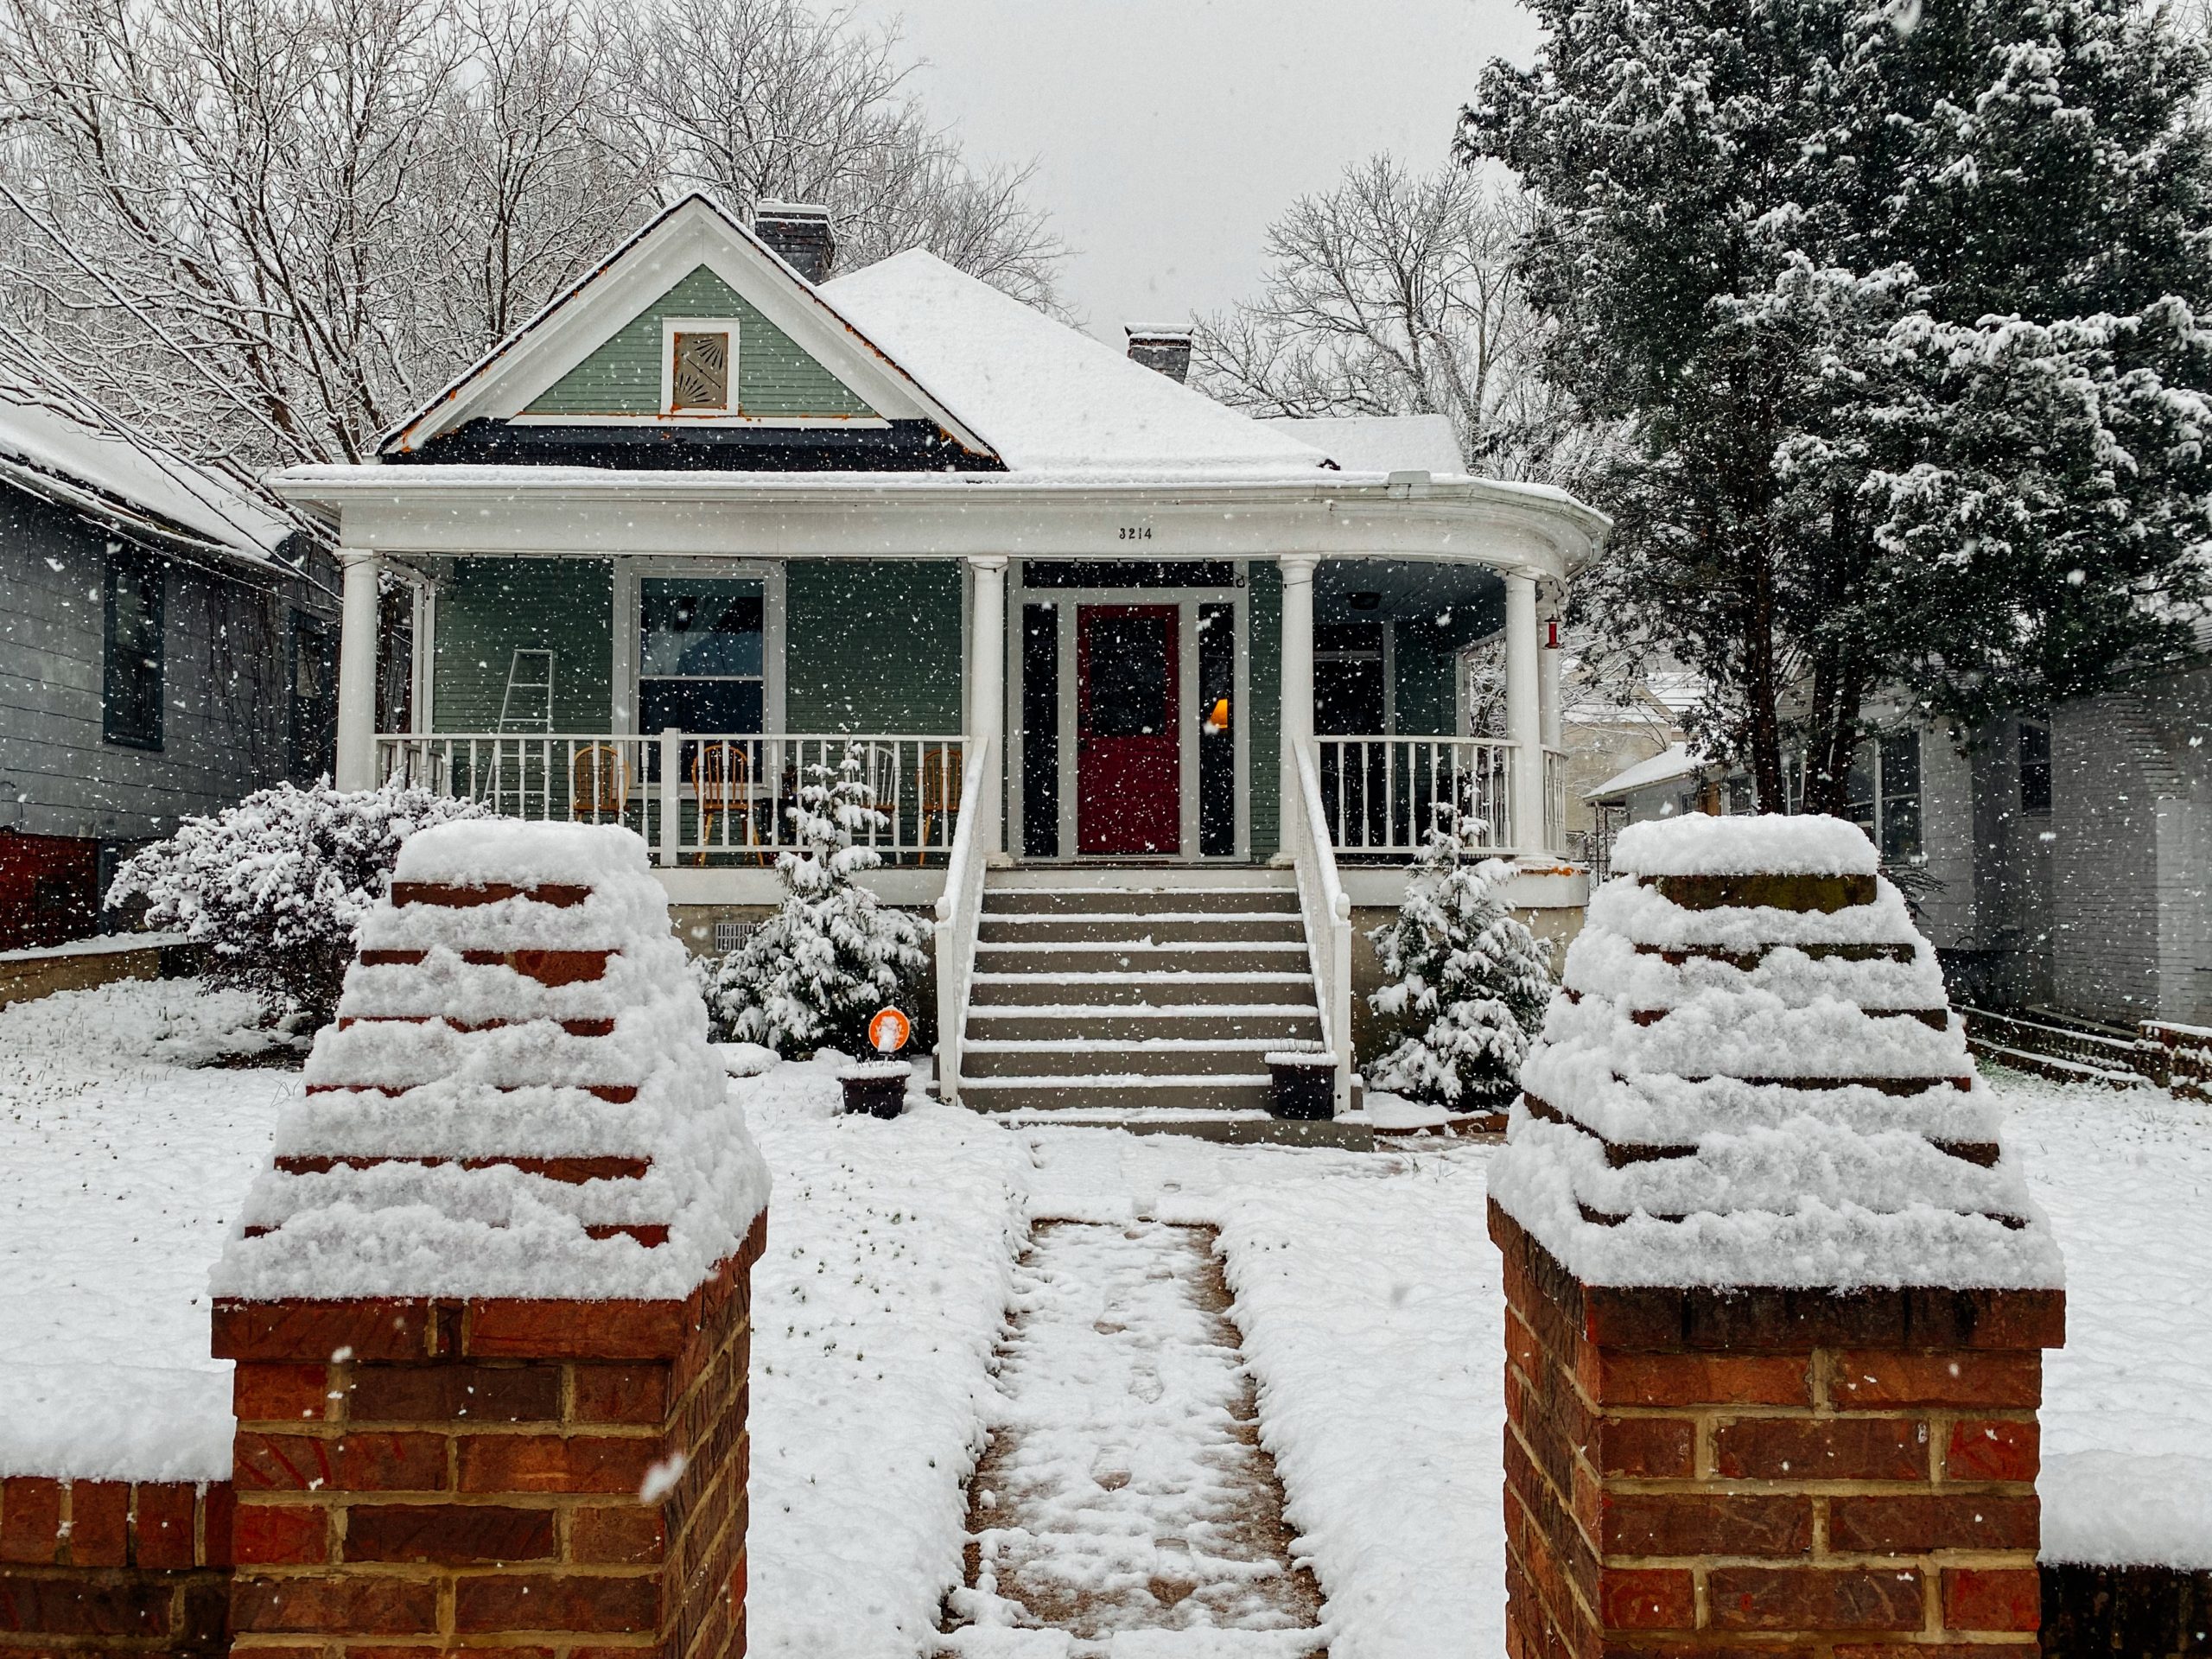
(167,645)
(2068,859)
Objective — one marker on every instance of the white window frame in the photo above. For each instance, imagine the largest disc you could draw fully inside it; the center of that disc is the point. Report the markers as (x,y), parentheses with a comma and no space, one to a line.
(628,572)
(669,328)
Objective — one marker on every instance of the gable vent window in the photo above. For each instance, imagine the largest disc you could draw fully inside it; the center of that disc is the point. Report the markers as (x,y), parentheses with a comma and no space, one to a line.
(699,369)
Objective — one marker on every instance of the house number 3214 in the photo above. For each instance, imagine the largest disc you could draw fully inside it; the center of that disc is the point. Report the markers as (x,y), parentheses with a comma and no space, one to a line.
(1136,532)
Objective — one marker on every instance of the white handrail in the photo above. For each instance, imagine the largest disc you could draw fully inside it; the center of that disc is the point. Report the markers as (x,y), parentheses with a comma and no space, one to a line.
(1326,909)
(959,913)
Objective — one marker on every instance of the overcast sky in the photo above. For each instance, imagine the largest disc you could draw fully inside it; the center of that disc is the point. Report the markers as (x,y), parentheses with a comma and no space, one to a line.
(1167,133)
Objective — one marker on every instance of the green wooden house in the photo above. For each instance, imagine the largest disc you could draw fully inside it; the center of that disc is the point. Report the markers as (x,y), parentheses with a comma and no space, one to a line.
(706,522)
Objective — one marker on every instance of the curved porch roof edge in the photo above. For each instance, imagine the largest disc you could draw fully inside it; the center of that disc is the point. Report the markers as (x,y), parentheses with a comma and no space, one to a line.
(592,511)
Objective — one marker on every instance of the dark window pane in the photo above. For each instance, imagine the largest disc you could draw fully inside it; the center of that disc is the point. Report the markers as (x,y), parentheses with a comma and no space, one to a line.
(314,734)
(699,705)
(1349,636)
(701,627)
(1216,730)
(1128,573)
(2035,768)
(1040,731)
(1128,675)
(131,678)
(1348,697)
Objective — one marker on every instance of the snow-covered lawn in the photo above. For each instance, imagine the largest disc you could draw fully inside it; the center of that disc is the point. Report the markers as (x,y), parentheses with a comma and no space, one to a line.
(1367,1293)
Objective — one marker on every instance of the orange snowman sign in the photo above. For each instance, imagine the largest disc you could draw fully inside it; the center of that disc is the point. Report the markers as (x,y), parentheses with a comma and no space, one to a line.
(889,1030)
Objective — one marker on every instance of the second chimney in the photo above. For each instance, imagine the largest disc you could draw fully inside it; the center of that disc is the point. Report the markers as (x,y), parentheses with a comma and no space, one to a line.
(1167,350)
(800,232)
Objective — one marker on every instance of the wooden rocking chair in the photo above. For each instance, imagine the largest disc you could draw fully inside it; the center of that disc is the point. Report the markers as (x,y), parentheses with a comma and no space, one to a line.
(940,795)
(599,784)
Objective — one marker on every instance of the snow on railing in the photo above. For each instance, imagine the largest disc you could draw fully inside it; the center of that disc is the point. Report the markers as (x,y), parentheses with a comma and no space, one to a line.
(721,798)
(1378,794)
(1326,909)
(959,915)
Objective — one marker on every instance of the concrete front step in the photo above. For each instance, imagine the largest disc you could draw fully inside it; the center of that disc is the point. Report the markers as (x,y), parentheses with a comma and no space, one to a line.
(1136,956)
(1119,988)
(1230,1128)
(1231,1092)
(1279,1023)
(1023,927)
(1210,1056)
(1072,901)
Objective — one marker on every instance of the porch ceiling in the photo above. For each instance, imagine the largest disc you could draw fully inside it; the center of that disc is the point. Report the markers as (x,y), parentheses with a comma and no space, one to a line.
(1464,598)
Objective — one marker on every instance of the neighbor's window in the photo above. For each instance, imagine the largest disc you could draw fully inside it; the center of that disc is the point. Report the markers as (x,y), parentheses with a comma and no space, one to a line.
(131,678)
(312,740)
(1882,793)
(699,371)
(2035,766)
(701,655)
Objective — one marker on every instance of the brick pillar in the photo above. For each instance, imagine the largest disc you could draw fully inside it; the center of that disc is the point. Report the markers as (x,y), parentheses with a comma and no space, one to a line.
(424,1474)
(1752,1404)
(1695,1470)
(115,1568)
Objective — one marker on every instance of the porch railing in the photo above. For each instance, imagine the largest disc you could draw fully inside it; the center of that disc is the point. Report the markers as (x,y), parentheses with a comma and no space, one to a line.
(1326,909)
(1378,795)
(701,797)
(959,916)
(1555,801)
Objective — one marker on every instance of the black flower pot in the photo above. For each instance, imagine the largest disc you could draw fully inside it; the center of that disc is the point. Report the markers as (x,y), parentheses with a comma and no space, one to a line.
(879,1091)
(1305,1085)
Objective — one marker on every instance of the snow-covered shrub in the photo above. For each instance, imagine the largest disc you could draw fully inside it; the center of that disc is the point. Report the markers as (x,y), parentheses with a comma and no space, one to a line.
(277,884)
(814,973)
(1470,981)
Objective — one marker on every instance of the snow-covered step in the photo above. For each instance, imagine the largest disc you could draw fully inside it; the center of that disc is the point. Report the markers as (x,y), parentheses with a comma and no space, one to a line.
(1278,1022)
(1054,927)
(1086,1055)
(1121,988)
(1182,1091)
(1126,956)
(1151,880)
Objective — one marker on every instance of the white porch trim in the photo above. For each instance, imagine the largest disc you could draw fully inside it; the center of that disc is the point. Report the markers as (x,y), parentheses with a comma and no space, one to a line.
(356,761)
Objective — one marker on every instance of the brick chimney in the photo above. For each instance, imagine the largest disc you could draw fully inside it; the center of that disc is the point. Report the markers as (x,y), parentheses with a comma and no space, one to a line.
(1167,350)
(800,231)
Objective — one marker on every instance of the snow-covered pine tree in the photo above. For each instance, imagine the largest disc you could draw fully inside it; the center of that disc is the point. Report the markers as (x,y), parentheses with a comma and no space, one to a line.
(813,974)
(1470,982)
(1902,303)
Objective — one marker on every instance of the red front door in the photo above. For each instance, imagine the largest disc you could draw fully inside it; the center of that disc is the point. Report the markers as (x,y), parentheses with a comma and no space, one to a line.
(1129,751)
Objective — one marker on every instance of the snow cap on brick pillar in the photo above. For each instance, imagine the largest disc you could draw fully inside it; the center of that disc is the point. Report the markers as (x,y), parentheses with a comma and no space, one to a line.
(1777,1294)
(489,1303)
(517,1097)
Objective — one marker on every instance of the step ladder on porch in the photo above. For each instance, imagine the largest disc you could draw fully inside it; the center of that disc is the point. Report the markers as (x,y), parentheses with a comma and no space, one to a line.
(1150,991)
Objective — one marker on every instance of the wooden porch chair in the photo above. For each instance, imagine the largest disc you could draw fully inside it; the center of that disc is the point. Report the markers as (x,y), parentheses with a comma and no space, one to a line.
(599,784)
(940,794)
(721,781)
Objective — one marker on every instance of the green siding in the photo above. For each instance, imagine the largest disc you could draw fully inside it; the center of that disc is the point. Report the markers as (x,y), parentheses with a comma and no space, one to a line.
(1423,659)
(774,376)
(872,647)
(491,607)
(1264,621)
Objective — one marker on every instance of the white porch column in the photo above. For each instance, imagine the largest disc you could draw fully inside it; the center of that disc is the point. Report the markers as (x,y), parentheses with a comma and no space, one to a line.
(357,671)
(1297,571)
(1523,717)
(986,683)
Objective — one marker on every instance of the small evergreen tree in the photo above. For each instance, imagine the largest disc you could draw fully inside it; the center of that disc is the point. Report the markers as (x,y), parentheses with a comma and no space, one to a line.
(276,885)
(818,970)
(1470,980)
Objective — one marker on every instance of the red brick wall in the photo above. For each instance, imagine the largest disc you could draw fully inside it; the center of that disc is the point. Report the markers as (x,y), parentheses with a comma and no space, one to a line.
(108,1567)
(1851,1476)
(417,1476)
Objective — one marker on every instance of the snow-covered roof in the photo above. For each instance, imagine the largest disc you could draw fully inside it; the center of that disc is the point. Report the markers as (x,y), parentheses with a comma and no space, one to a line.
(1675,760)
(129,480)
(1382,443)
(1046,397)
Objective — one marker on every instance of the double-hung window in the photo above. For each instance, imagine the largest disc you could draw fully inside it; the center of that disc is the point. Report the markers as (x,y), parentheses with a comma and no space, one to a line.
(131,670)
(1883,793)
(701,654)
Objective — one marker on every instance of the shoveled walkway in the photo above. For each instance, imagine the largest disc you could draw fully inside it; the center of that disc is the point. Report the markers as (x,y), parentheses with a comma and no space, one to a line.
(1125,1506)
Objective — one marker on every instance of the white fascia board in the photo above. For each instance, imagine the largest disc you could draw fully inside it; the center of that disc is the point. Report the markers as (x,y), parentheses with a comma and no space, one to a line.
(406,511)
(695,233)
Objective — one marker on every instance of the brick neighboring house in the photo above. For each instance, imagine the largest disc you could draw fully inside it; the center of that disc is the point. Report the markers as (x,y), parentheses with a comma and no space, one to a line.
(2068,857)
(169,646)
